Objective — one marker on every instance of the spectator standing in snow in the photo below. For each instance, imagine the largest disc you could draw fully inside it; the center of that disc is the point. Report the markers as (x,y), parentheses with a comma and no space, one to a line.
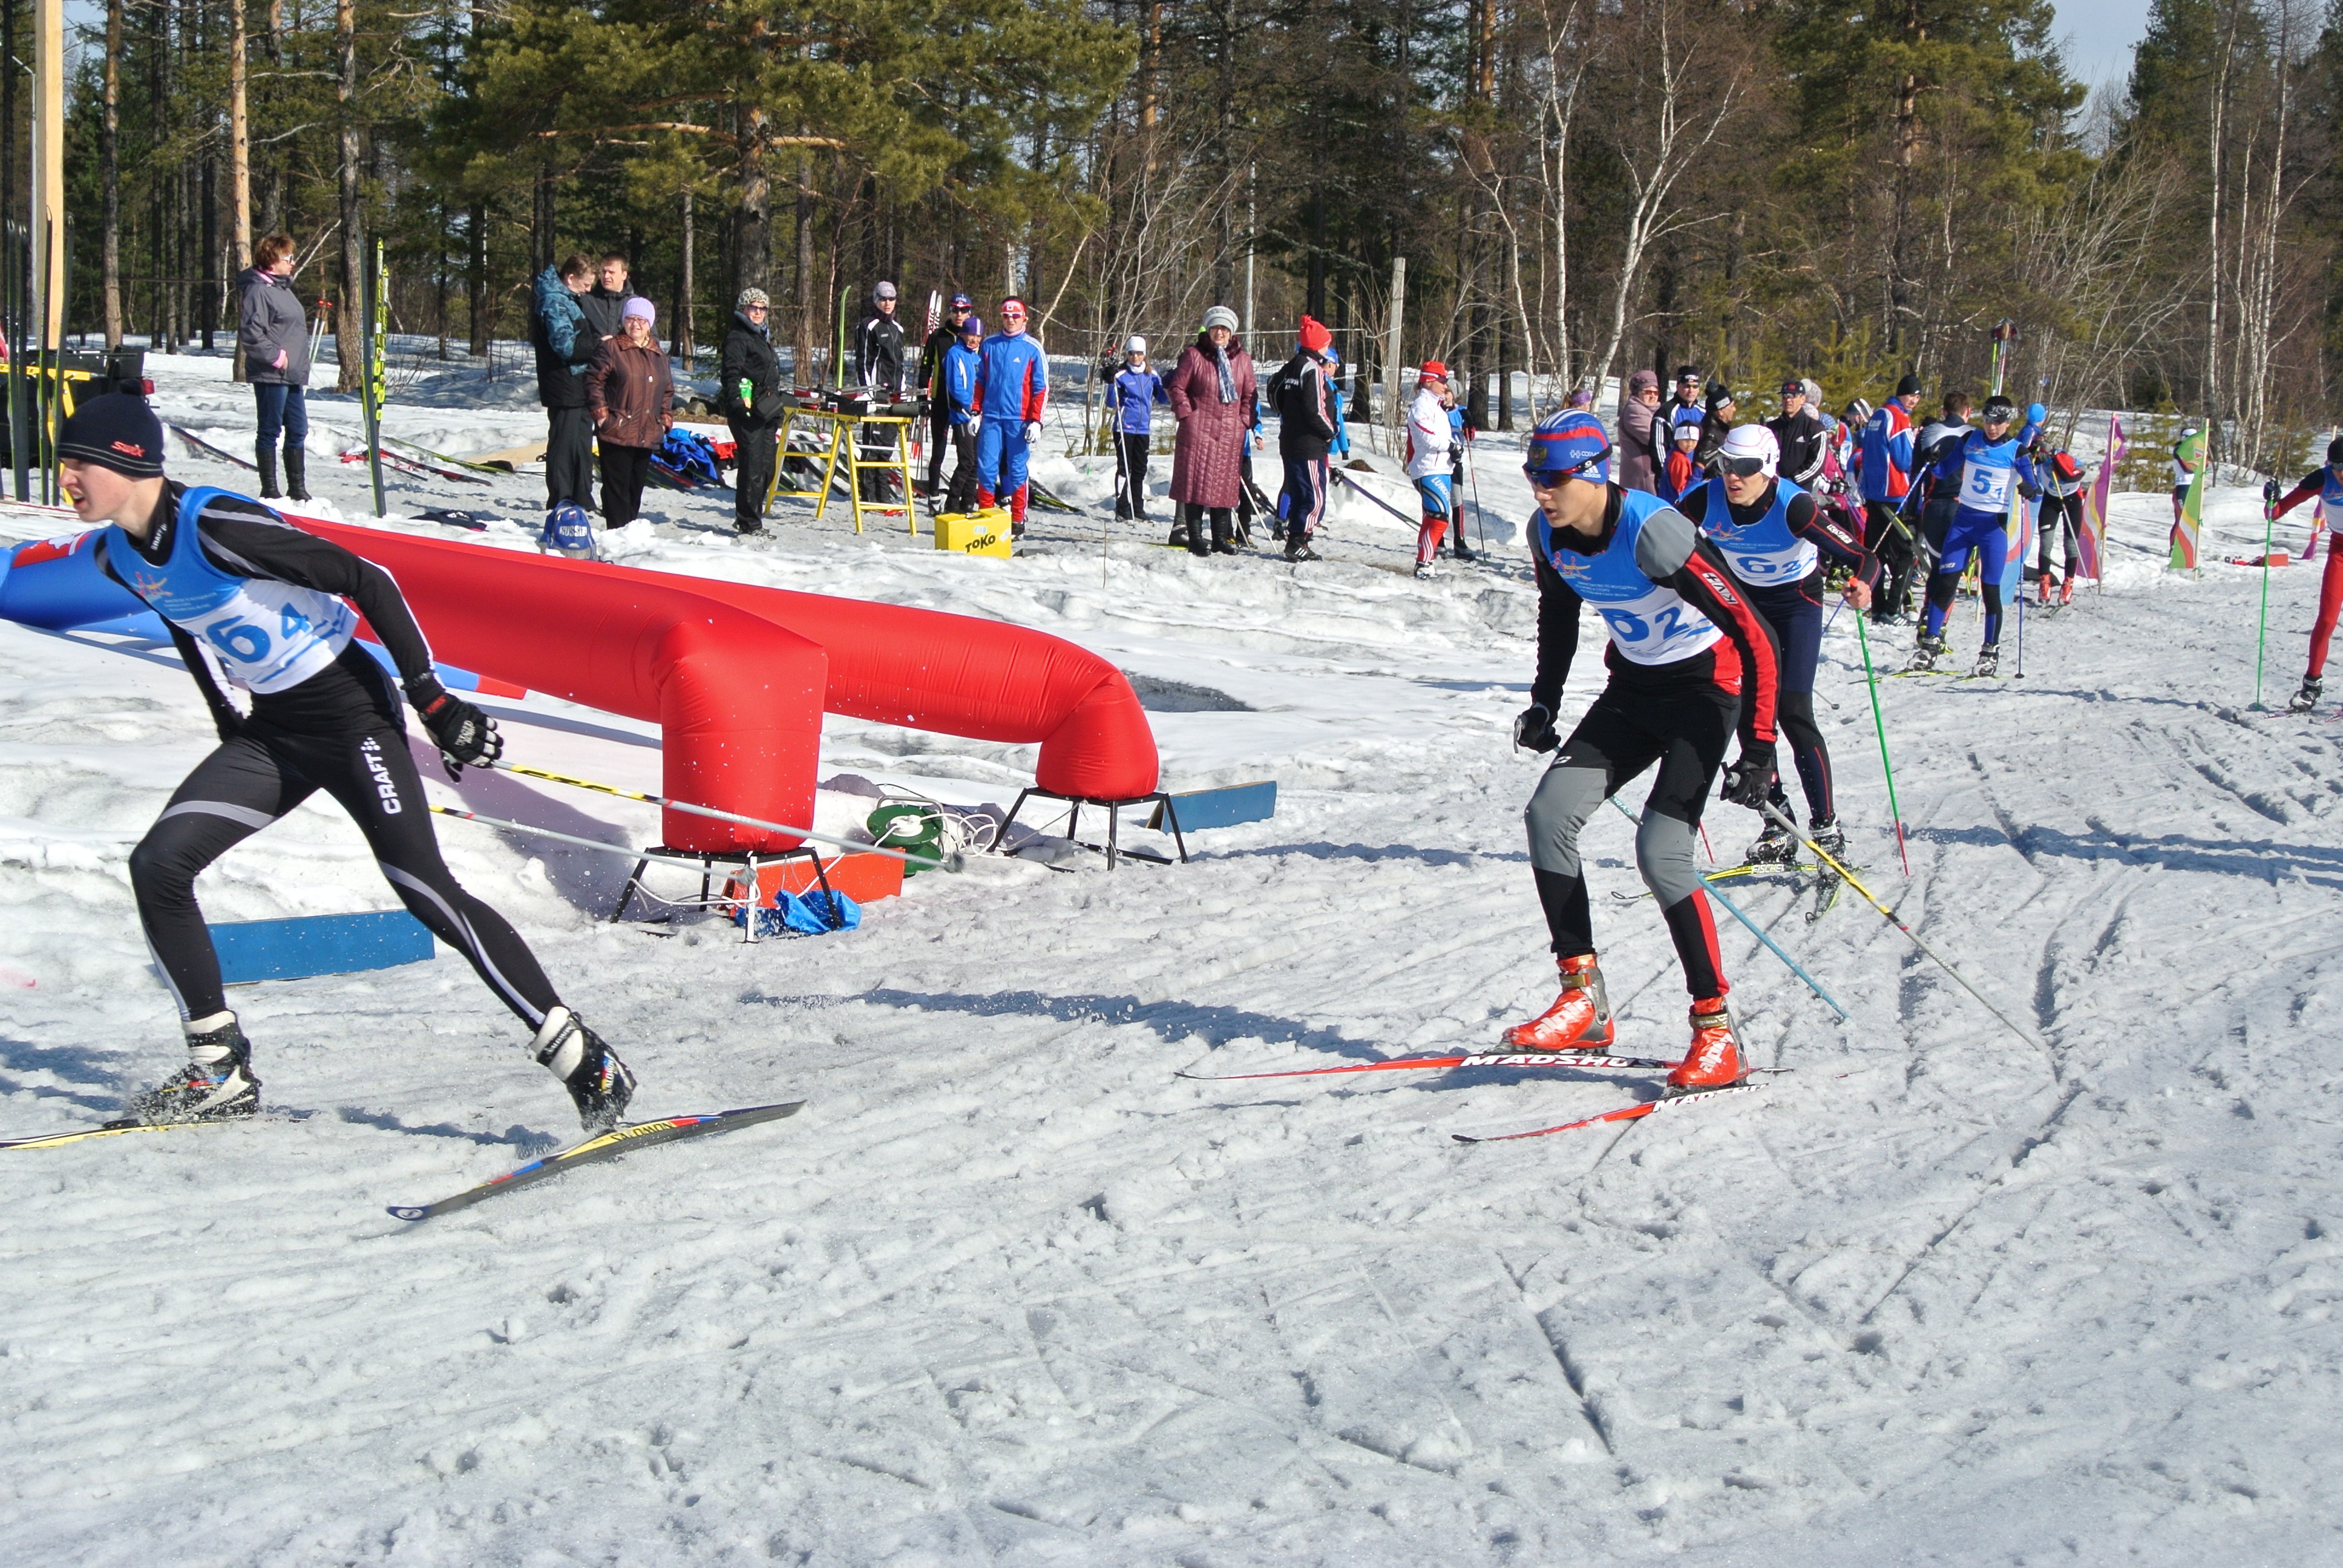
(1687,397)
(1212,391)
(1798,432)
(956,382)
(605,303)
(565,344)
(1715,424)
(748,396)
(1680,473)
(932,371)
(1306,429)
(1642,432)
(1428,436)
(274,332)
(630,392)
(1012,389)
(1132,394)
(879,365)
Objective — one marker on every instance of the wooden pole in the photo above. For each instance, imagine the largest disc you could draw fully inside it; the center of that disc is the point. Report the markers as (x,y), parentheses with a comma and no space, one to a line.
(48,216)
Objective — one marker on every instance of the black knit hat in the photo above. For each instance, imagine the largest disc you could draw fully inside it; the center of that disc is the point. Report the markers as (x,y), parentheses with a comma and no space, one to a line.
(1909,387)
(117,431)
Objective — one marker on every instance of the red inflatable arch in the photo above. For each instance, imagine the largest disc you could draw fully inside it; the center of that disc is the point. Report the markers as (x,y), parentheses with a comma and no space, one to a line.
(737,677)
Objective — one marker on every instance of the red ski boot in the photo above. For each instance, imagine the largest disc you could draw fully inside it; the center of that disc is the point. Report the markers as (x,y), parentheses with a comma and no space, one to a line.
(1580,1019)
(2042,588)
(2067,590)
(1714,1060)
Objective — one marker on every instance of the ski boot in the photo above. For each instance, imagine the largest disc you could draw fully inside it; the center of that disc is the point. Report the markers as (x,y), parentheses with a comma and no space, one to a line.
(1463,552)
(599,1084)
(1925,657)
(216,1084)
(1776,846)
(1179,539)
(1580,1019)
(1424,572)
(1828,836)
(2067,590)
(1297,549)
(2042,589)
(1988,661)
(1714,1060)
(2308,697)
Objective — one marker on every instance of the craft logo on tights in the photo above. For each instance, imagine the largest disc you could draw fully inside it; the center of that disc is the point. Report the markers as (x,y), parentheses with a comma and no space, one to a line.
(384,785)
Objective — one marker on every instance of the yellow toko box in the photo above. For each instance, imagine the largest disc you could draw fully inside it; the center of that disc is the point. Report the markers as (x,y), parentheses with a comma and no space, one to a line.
(983,532)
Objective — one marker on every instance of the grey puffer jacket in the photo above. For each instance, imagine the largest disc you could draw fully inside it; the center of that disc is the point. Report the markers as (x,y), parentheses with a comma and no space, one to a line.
(271,319)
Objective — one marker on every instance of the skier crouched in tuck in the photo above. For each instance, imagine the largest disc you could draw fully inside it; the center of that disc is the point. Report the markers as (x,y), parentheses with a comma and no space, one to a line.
(1690,660)
(1772,536)
(242,590)
(1984,466)
(2326,485)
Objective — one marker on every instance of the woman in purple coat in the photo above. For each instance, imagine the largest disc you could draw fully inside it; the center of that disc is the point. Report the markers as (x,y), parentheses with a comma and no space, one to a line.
(1212,392)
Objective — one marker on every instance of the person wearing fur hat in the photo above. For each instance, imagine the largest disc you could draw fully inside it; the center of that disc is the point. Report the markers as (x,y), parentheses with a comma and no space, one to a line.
(1212,393)
(275,610)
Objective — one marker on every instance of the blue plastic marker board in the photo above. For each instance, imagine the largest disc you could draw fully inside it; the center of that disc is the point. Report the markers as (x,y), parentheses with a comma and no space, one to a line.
(1223,807)
(306,945)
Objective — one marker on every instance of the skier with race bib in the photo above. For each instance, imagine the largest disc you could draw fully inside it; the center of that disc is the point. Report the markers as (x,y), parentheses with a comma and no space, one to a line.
(248,597)
(1984,469)
(1773,537)
(2327,483)
(1691,662)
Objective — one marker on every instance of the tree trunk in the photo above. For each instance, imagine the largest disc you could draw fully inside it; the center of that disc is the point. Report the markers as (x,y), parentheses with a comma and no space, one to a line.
(239,151)
(475,281)
(110,170)
(351,305)
(801,345)
(684,289)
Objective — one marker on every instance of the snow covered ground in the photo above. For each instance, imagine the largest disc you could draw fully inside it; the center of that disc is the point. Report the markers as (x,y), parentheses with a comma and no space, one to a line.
(1009,1291)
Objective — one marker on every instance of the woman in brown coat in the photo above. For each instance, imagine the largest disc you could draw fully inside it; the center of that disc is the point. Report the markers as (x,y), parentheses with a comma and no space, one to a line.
(631,395)
(1212,391)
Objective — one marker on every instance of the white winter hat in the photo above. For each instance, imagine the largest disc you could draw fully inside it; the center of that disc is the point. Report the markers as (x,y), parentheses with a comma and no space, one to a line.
(1220,315)
(1135,345)
(1753,441)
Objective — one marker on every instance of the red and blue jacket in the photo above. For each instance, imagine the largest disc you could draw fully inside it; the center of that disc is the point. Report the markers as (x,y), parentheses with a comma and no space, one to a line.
(1012,380)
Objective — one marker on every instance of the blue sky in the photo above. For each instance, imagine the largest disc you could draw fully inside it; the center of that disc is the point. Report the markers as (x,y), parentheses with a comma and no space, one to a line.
(2098,35)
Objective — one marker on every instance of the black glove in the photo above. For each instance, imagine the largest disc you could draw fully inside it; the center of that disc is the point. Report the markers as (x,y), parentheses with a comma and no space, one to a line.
(465,736)
(1534,727)
(2270,492)
(1750,776)
(2028,489)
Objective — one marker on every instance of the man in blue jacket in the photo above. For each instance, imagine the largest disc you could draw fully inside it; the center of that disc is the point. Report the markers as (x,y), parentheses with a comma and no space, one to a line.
(566,345)
(1133,394)
(956,375)
(1012,384)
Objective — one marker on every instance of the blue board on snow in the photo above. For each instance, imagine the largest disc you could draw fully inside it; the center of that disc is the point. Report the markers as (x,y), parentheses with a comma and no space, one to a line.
(306,945)
(1223,807)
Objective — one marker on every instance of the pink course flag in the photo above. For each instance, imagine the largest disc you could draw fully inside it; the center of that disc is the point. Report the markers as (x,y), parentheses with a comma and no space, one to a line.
(2095,509)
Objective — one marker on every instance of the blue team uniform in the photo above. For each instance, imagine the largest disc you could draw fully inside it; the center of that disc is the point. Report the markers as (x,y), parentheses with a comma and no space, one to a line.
(1984,476)
(1012,383)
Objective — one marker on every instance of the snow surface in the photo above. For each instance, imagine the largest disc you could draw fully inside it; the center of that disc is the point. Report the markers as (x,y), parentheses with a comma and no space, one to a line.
(1009,1291)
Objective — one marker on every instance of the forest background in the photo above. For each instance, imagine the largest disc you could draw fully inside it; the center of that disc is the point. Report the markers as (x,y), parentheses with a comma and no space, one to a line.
(1578,187)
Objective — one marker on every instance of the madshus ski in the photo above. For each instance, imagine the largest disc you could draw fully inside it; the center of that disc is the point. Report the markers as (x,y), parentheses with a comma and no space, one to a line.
(1624,1113)
(116,1129)
(1439,1064)
(600,1147)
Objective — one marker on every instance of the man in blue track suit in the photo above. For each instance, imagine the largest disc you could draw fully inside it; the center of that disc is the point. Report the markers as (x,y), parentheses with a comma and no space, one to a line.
(1984,469)
(1012,384)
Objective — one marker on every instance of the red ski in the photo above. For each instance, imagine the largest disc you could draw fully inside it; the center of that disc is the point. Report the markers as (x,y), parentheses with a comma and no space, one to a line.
(1625,1113)
(1436,1063)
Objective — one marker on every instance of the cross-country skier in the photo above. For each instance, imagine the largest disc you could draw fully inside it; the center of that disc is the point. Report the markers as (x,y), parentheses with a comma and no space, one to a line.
(248,597)
(2327,483)
(2061,478)
(932,375)
(1427,462)
(1984,466)
(1886,477)
(957,384)
(1012,384)
(1133,394)
(1773,537)
(1691,661)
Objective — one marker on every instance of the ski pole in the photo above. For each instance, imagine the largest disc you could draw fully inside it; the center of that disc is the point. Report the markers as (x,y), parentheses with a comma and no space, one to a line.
(2261,638)
(1733,909)
(1863,640)
(1472,478)
(952,861)
(1893,919)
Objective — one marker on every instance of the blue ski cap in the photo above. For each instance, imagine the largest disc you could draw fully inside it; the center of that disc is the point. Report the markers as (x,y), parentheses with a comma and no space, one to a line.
(962,302)
(1568,445)
(568,531)
(2036,413)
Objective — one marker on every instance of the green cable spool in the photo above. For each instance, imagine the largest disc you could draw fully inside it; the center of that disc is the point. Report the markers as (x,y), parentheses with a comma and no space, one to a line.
(915,829)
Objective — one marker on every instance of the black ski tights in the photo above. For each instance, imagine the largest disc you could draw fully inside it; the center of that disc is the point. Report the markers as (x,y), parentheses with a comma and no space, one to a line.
(258,776)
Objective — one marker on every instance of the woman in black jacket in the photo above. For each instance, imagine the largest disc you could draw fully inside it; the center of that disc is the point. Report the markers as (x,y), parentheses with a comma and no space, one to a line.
(750,398)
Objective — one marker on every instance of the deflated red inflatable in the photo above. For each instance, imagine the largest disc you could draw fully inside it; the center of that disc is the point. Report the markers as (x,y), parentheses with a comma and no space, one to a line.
(737,677)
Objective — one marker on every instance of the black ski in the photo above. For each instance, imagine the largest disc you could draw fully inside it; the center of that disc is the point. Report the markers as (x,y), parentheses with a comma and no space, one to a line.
(601,1146)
